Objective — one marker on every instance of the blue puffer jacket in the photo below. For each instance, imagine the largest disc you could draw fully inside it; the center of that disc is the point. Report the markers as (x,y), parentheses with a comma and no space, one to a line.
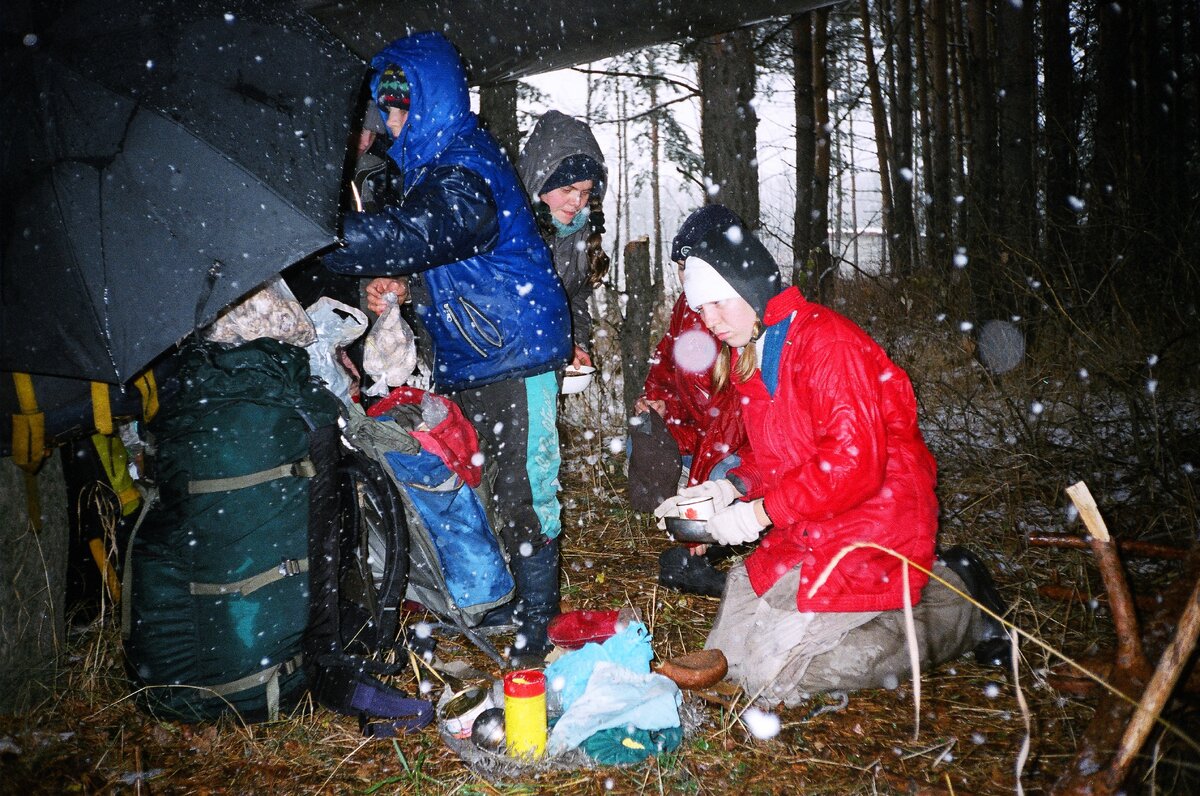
(496,308)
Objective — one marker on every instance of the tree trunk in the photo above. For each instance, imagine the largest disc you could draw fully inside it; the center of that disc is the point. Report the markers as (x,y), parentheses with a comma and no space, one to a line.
(1017,195)
(656,261)
(826,270)
(635,330)
(924,242)
(1108,171)
(1060,128)
(904,227)
(982,156)
(959,98)
(879,117)
(941,210)
(498,114)
(806,147)
(33,567)
(728,123)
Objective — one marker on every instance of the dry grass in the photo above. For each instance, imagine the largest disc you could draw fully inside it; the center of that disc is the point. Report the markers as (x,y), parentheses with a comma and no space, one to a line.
(1003,467)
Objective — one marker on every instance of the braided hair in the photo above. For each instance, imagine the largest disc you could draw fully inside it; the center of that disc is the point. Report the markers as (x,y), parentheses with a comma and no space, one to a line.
(598,260)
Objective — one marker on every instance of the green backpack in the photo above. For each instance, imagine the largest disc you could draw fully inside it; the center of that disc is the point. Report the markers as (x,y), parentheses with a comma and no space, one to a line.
(216,595)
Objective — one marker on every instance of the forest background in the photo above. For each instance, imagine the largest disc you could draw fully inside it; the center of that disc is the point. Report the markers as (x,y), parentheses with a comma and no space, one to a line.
(1032,162)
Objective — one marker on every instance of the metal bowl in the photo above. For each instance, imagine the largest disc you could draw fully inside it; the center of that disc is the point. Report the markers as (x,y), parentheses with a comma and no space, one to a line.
(693,531)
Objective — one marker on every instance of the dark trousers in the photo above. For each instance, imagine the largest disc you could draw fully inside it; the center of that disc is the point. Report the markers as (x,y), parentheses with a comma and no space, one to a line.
(515,422)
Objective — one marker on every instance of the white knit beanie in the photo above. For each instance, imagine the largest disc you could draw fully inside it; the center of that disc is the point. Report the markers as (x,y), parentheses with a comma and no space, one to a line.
(702,284)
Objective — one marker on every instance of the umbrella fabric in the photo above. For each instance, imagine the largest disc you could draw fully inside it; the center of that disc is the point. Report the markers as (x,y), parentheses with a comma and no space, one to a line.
(162,159)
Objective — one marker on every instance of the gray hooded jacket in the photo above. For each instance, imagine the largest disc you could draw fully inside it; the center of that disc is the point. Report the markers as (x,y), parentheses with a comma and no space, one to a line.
(556,137)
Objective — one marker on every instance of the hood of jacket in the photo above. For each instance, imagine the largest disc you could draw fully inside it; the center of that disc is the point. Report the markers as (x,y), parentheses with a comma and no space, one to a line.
(440,109)
(556,137)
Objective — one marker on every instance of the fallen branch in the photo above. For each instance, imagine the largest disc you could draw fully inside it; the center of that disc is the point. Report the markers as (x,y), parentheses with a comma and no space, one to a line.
(1110,735)
(1127,546)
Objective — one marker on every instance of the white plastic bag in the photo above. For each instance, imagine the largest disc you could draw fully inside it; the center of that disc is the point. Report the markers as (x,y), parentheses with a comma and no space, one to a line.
(390,351)
(271,311)
(337,325)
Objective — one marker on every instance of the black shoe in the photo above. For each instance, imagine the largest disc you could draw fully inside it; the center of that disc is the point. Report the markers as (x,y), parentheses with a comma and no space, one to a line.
(501,617)
(992,646)
(680,570)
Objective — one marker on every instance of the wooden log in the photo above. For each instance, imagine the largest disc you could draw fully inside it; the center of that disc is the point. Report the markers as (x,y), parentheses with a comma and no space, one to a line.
(1129,647)
(1129,547)
(1158,690)
(1129,672)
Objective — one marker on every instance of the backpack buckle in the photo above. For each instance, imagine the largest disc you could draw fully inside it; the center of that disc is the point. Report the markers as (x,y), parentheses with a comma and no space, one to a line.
(289,567)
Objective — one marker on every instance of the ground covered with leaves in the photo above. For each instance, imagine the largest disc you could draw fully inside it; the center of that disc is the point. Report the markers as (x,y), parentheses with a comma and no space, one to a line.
(1118,414)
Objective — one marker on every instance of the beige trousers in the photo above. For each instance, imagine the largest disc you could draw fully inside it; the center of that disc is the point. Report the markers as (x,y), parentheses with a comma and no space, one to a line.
(780,655)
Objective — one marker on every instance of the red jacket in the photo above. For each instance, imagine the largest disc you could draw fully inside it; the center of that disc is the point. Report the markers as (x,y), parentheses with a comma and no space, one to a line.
(706,427)
(838,458)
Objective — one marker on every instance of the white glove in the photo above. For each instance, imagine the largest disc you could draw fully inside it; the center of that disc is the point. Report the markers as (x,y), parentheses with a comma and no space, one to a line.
(722,491)
(735,524)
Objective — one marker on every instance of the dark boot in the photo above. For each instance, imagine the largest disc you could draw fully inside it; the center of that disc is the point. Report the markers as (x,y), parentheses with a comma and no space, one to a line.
(537,604)
(992,646)
(502,617)
(680,570)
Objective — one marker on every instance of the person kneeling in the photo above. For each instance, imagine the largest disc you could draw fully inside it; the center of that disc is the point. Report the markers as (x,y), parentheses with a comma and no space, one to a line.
(834,457)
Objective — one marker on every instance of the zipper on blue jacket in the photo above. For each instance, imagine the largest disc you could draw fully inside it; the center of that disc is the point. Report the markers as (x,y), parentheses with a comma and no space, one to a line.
(477,318)
(462,332)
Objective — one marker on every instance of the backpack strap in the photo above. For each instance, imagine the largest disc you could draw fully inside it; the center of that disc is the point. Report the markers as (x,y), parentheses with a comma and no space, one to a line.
(115,461)
(29,443)
(303,468)
(351,691)
(101,409)
(246,586)
(148,387)
(148,499)
(268,677)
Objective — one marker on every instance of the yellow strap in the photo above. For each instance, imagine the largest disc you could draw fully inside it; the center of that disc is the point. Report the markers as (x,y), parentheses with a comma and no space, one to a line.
(115,461)
(101,410)
(29,441)
(106,569)
(148,387)
(25,397)
(29,427)
(29,444)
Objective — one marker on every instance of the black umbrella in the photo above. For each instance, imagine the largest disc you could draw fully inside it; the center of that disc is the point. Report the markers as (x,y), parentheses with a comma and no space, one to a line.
(161,160)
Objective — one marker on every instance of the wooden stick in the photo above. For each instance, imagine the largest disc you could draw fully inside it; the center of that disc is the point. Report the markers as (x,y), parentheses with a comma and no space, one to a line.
(1126,546)
(1158,690)
(1129,646)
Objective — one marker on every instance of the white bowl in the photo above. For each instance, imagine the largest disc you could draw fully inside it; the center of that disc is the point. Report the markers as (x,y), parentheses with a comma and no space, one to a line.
(576,379)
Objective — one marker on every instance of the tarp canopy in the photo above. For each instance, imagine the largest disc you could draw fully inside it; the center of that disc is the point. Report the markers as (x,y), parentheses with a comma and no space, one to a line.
(507,39)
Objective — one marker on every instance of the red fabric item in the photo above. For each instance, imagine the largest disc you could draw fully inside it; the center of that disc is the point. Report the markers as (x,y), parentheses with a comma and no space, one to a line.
(838,458)
(706,427)
(575,628)
(453,440)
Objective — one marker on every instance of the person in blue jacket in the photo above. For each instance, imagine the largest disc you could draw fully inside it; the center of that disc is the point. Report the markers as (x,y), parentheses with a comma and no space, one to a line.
(485,289)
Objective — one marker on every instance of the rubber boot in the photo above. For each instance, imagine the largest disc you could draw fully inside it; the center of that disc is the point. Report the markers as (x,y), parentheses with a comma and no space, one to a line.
(537,604)
(992,648)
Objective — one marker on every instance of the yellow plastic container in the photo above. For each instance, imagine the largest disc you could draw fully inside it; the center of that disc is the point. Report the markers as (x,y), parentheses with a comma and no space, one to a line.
(525,713)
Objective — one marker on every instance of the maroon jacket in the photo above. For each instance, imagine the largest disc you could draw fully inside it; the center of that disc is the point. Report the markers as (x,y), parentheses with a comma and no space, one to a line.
(838,458)
(706,427)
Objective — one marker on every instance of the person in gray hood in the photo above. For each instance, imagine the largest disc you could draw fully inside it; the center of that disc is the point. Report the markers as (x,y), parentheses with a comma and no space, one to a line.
(564,174)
